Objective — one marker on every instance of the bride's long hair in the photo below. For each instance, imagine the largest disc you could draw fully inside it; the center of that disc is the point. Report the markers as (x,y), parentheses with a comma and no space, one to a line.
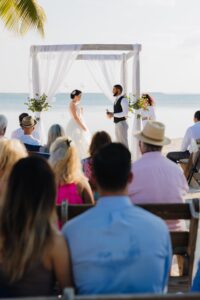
(65,161)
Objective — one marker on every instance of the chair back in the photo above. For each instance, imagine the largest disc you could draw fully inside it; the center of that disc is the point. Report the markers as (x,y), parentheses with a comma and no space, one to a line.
(193,167)
(69,294)
(183,242)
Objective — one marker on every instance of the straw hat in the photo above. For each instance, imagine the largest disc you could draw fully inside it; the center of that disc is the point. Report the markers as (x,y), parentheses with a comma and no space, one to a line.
(28,122)
(153,133)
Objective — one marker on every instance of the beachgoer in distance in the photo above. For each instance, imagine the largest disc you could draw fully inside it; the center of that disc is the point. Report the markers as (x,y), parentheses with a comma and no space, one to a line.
(119,115)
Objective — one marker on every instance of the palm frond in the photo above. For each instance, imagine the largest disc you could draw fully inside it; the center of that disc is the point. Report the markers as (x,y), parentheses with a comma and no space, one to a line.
(22,15)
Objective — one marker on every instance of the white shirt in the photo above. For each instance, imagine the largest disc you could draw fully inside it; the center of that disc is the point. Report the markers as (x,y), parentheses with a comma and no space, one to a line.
(124,105)
(16,134)
(29,139)
(157,180)
(192,132)
(148,114)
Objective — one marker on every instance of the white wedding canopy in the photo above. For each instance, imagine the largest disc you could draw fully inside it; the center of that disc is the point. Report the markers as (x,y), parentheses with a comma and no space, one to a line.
(107,63)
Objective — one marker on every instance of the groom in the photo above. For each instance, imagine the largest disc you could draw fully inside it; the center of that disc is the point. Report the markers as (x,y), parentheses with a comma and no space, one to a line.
(120,115)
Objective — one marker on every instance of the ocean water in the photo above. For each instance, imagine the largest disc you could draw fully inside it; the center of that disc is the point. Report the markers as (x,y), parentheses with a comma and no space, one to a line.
(174,110)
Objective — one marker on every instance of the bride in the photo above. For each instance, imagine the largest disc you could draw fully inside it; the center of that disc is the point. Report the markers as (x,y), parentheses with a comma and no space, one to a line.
(148,113)
(76,127)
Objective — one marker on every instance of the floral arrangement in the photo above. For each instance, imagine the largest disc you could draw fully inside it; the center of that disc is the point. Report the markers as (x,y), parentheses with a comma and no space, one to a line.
(38,104)
(136,104)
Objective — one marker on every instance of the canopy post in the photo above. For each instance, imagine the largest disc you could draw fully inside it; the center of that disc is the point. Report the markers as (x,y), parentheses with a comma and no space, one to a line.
(124,74)
(136,72)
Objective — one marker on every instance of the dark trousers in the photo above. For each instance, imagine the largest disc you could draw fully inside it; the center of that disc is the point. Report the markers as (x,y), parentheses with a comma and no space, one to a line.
(176,156)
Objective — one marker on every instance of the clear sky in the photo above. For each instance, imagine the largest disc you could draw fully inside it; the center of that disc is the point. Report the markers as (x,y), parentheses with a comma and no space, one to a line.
(169,31)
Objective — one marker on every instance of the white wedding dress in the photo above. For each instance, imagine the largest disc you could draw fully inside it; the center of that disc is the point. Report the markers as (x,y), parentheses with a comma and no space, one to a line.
(80,137)
(147,114)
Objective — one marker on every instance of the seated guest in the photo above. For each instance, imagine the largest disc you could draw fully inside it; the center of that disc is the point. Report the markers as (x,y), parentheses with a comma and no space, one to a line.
(54,131)
(33,255)
(10,152)
(110,249)
(193,132)
(3,125)
(156,178)
(72,185)
(99,139)
(19,131)
(28,126)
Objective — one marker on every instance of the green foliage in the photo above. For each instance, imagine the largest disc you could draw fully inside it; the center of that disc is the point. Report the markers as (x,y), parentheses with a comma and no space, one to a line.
(22,15)
(38,104)
(136,104)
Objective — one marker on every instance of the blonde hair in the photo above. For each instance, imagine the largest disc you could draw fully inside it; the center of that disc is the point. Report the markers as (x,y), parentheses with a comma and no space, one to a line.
(65,161)
(10,152)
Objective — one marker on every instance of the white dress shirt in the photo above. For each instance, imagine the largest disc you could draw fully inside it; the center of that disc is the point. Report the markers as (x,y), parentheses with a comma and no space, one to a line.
(29,139)
(192,132)
(16,134)
(124,105)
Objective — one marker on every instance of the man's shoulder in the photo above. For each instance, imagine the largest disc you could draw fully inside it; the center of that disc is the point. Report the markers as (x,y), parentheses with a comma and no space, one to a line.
(82,220)
(149,218)
(158,162)
(192,127)
(17,133)
(29,139)
(134,214)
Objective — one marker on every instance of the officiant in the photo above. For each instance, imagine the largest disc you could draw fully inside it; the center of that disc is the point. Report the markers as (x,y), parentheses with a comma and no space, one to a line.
(120,114)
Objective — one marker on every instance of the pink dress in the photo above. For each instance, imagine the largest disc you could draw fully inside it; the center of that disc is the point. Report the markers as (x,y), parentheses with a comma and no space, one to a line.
(68,192)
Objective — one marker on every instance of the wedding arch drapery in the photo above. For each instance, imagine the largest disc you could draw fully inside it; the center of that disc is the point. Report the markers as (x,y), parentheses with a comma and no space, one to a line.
(108,71)
(50,65)
(49,69)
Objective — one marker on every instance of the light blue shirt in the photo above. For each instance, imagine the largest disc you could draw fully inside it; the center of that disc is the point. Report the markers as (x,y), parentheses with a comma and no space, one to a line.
(196,281)
(117,247)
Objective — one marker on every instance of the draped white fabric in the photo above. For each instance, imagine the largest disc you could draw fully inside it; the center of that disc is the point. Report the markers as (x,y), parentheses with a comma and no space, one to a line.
(48,71)
(106,73)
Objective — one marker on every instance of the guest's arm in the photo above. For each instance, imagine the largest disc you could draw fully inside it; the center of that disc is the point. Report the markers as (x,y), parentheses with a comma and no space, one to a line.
(61,262)
(85,192)
(76,117)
